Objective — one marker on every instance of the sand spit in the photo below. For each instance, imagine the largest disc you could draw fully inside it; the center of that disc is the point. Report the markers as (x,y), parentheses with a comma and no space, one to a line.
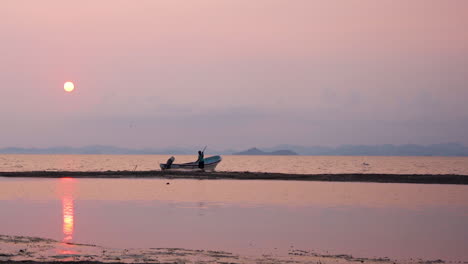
(381,178)
(32,250)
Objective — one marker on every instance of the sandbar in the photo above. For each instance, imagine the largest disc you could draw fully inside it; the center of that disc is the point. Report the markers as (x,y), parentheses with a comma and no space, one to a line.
(351,177)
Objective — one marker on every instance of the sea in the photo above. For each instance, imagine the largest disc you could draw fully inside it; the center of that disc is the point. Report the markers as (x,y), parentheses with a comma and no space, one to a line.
(281,164)
(248,217)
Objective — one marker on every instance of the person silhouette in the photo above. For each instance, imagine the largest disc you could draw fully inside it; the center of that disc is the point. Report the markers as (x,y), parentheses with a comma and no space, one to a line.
(201,160)
(169,162)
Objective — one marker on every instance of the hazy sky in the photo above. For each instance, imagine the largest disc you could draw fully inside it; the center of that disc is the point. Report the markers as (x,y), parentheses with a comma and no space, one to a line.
(233,73)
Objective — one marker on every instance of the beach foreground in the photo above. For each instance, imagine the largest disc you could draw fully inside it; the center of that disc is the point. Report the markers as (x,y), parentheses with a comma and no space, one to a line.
(352,177)
(21,249)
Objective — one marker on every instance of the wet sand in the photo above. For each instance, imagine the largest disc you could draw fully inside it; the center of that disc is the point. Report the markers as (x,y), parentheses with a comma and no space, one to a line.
(378,178)
(21,249)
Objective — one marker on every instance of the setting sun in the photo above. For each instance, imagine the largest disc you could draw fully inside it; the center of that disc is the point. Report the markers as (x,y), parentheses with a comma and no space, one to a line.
(69,87)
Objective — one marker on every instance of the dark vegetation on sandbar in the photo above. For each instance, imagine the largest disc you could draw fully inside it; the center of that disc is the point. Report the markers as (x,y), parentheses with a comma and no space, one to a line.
(352,177)
(59,262)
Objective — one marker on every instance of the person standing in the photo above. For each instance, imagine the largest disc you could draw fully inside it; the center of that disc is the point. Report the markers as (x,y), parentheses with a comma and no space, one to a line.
(201,160)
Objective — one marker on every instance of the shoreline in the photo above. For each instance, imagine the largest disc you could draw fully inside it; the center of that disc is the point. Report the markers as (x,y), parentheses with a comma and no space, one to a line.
(345,177)
(36,250)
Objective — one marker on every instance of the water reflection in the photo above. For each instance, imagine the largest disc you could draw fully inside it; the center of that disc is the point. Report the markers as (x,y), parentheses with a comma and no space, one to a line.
(68,209)
(247,217)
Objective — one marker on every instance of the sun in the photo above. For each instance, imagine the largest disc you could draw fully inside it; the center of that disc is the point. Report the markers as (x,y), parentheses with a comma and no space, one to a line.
(69,87)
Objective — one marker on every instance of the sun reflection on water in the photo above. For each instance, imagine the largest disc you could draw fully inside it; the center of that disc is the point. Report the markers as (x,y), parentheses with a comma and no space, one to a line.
(68,208)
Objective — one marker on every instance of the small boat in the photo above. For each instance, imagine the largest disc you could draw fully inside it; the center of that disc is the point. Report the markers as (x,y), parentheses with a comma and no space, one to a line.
(210,164)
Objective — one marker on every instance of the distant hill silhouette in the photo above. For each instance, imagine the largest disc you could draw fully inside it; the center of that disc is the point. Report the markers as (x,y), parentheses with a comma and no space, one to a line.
(446,149)
(256,151)
(98,149)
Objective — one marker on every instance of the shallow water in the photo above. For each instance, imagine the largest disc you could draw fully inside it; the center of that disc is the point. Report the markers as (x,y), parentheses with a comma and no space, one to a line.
(249,217)
(283,164)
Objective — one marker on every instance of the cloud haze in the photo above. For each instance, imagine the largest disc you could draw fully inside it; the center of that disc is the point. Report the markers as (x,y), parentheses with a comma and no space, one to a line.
(233,73)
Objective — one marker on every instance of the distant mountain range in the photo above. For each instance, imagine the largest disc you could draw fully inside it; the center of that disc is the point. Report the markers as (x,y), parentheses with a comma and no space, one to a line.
(256,151)
(98,149)
(447,149)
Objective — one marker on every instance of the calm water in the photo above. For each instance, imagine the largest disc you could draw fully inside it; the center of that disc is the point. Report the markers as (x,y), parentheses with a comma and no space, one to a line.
(248,217)
(285,164)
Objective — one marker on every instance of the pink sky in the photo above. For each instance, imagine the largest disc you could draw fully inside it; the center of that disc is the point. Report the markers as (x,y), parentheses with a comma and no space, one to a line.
(233,73)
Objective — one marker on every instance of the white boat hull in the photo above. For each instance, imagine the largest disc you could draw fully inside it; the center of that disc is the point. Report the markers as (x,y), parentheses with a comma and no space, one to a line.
(210,165)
